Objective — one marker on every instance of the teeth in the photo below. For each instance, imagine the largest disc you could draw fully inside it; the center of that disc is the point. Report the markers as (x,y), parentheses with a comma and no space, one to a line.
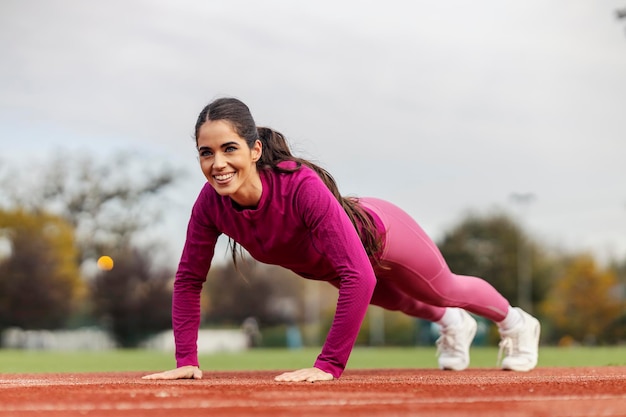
(224,176)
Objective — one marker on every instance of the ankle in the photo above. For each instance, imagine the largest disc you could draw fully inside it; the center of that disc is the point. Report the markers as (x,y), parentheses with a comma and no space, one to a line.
(512,320)
(452,317)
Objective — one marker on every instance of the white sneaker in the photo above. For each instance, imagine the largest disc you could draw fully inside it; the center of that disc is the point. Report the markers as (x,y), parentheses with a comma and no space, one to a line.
(454,343)
(521,345)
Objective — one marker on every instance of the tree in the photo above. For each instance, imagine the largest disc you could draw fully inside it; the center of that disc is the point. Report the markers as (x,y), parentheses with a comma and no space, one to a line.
(39,278)
(108,202)
(584,303)
(133,300)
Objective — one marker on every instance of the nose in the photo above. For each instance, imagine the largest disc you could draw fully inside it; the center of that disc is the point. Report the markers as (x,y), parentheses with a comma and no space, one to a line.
(219,161)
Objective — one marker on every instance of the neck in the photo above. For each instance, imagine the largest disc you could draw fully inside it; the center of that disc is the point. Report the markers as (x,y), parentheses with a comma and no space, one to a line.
(250,196)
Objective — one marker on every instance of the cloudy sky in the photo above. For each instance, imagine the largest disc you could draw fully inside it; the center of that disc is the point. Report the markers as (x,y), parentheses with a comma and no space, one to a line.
(441,107)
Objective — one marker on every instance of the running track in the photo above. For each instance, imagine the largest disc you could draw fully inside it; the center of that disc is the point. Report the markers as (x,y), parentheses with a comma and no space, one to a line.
(553,392)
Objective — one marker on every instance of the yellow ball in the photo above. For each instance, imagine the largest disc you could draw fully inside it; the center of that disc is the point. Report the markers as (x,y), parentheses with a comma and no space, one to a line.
(105,263)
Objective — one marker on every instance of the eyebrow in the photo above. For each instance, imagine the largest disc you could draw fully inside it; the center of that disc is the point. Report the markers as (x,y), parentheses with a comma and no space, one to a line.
(223,145)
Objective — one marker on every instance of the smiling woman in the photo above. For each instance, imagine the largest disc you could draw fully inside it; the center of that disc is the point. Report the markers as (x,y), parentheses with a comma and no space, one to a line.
(288,211)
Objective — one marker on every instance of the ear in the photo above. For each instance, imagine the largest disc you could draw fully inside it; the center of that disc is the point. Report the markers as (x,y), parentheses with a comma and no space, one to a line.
(257,150)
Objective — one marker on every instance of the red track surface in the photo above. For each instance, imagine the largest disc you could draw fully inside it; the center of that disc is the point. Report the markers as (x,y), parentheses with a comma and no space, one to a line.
(553,392)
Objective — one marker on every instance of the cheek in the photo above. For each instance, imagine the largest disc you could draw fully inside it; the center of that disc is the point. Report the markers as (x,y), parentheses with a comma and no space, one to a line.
(205,166)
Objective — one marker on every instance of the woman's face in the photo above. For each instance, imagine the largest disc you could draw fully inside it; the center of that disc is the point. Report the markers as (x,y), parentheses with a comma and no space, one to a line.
(228,163)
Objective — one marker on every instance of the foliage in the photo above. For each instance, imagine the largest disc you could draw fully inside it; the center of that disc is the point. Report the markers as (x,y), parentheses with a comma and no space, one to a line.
(584,303)
(106,203)
(133,300)
(39,277)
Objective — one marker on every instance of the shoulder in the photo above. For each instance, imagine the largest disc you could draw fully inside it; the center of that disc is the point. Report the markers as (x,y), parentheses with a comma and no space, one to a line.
(207,194)
(294,175)
(207,202)
(300,185)
(312,195)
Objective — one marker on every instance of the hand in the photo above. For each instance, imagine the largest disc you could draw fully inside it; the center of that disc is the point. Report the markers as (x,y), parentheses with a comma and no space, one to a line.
(184,372)
(308,375)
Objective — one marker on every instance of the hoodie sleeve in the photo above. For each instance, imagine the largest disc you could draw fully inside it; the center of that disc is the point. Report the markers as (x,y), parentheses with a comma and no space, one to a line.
(334,235)
(191,274)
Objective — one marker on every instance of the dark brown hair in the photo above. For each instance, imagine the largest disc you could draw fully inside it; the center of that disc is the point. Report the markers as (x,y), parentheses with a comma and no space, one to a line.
(276,150)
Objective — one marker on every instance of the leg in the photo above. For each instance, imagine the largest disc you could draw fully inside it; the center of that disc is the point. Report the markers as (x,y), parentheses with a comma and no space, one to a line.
(453,344)
(416,267)
(388,296)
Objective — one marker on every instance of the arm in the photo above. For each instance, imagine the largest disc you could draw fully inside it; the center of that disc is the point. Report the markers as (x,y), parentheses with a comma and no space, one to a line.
(190,276)
(334,235)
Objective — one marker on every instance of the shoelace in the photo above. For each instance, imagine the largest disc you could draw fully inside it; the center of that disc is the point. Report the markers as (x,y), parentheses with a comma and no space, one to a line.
(506,346)
(444,344)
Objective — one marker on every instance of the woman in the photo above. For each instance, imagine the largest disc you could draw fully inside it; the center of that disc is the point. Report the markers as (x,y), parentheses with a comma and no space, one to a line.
(287,211)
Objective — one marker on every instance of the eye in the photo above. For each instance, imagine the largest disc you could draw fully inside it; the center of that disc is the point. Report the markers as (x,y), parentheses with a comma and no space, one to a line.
(230,148)
(205,153)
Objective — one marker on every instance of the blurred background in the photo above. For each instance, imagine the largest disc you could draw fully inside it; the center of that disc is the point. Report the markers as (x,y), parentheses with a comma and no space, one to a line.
(498,125)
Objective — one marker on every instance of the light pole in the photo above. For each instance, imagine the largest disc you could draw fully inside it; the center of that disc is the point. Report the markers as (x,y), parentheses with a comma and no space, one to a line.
(524,261)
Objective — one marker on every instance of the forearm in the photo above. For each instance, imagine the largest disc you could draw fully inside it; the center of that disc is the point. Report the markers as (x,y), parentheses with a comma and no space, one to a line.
(354,298)
(186,322)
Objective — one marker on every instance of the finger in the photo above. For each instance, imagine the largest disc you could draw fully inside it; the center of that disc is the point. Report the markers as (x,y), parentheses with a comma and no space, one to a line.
(281,378)
(153,376)
(320,377)
(287,377)
(308,375)
(178,373)
(295,376)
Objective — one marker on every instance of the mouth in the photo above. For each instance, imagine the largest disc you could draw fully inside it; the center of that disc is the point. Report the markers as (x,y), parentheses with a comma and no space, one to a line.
(223,178)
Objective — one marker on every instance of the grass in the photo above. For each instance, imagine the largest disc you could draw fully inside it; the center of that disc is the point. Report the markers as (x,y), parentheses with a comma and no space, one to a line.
(24,361)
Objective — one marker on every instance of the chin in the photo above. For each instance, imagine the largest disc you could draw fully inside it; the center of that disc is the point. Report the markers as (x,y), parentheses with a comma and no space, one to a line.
(221,190)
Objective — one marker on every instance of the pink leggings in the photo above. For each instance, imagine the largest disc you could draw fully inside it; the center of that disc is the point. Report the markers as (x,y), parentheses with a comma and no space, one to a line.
(418,281)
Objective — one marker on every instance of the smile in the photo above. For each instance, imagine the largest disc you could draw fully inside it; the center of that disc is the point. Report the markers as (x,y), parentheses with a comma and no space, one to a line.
(223,177)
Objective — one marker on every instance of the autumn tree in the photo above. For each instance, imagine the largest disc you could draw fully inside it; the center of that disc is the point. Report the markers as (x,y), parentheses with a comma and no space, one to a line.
(585,303)
(39,278)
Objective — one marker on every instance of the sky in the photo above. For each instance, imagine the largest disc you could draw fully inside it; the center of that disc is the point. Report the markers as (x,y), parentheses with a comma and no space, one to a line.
(443,108)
